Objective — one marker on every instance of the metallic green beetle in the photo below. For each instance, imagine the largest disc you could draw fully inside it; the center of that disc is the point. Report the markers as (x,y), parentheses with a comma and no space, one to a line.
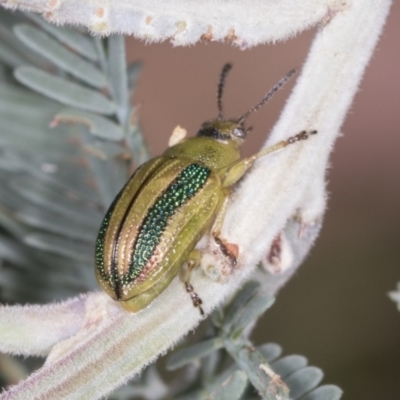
(152,227)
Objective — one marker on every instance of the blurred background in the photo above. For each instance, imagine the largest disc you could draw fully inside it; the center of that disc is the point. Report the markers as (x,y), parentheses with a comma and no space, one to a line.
(335,310)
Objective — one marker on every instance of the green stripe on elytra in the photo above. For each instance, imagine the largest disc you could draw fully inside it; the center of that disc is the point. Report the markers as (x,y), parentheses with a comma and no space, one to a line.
(100,241)
(99,252)
(185,186)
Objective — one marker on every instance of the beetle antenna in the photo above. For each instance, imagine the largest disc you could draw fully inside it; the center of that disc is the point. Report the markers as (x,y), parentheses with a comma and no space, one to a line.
(221,85)
(267,96)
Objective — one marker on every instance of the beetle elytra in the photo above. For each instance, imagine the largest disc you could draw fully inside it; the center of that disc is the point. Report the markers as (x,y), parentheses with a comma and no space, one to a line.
(151,229)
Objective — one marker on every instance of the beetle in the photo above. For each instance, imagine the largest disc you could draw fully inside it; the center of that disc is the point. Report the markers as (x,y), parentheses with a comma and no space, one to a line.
(152,227)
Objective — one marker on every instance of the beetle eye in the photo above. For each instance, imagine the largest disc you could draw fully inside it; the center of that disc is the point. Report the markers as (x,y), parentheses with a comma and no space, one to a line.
(240,133)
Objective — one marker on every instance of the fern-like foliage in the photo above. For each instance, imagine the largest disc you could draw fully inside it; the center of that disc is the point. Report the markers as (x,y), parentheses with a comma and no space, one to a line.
(233,368)
(57,179)
(69,140)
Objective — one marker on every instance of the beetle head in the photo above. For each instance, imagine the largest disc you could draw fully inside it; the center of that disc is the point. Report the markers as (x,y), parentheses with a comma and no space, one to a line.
(226,130)
(223,130)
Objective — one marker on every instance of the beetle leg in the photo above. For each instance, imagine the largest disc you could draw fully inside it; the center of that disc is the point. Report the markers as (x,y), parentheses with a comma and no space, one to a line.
(236,171)
(228,249)
(192,262)
(219,218)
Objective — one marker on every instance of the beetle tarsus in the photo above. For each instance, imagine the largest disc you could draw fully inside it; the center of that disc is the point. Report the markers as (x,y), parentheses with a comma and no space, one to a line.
(303,135)
(224,249)
(197,302)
